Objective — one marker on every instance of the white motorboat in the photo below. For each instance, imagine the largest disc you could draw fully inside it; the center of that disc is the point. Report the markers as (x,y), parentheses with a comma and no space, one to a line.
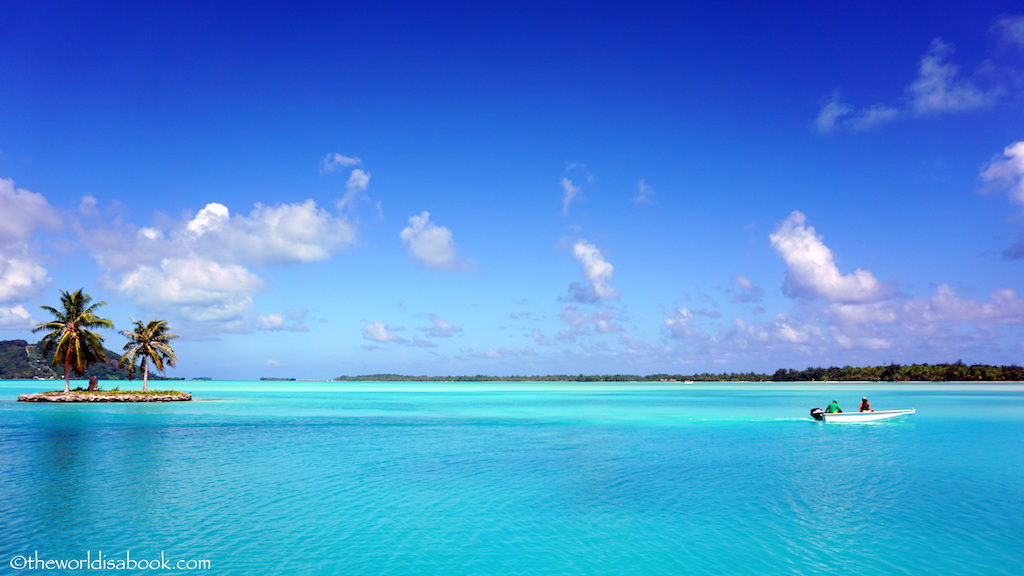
(860,416)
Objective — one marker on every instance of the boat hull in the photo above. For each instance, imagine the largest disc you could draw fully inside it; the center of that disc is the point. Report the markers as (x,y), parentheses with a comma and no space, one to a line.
(866,416)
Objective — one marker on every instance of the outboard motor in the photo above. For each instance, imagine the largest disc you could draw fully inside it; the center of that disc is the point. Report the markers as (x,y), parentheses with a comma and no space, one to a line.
(816,413)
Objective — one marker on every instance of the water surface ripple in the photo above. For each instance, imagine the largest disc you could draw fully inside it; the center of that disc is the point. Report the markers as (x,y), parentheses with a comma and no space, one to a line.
(527,479)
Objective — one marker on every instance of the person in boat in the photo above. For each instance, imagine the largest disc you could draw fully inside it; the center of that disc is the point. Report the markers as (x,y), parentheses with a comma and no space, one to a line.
(833,407)
(865,406)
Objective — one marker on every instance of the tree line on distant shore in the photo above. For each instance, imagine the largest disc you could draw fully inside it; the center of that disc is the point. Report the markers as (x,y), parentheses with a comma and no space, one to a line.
(955,372)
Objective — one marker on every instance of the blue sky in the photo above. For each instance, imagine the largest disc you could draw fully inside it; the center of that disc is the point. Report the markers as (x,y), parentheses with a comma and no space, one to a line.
(316,189)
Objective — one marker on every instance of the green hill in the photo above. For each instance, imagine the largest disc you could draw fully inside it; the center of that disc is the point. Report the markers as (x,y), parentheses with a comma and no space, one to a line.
(21,360)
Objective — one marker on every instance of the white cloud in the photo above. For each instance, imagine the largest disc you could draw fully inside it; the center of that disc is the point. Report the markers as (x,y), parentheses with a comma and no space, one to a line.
(680,324)
(20,277)
(1002,307)
(16,318)
(291,321)
(874,115)
(358,181)
(644,193)
(441,328)
(834,114)
(585,322)
(32,212)
(198,269)
(748,292)
(380,333)
(830,116)
(572,180)
(431,244)
(213,218)
(848,339)
(884,312)
(334,162)
(539,337)
(811,271)
(24,212)
(1008,171)
(1011,30)
(570,193)
(300,232)
(357,185)
(287,233)
(151,234)
(198,289)
(596,270)
(786,330)
(939,87)
(87,205)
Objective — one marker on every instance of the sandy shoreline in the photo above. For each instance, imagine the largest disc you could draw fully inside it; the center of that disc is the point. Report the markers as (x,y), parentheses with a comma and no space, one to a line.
(105,397)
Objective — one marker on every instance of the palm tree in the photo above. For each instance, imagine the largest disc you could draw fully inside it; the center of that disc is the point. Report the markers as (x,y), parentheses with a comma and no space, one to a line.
(74,345)
(148,342)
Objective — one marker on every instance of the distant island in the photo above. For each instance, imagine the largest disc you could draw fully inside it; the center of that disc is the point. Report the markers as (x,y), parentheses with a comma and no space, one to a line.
(954,372)
(21,360)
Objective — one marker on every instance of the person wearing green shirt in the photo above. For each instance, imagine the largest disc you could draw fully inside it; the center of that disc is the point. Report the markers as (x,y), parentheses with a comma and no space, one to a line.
(833,407)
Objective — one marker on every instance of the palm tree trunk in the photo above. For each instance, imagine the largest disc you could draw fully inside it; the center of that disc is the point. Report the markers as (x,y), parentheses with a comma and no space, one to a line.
(145,374)
(67,378)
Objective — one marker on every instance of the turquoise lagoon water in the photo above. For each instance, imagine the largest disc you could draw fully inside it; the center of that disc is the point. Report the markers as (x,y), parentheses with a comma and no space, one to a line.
(456,479)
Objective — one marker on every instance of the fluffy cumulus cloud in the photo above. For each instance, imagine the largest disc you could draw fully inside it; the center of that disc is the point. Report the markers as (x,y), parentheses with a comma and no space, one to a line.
(680,324)
(199,269)
(357,185)
(939,87)
(1004,306)
(850,318)
(200,289)
(21,275)
(287,233)
(783,332)
(1007,172)
(433,245)
(377,332)
(291,321)
(884,312)
(16,318)
(32,210)
(811,271)
(597,271)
